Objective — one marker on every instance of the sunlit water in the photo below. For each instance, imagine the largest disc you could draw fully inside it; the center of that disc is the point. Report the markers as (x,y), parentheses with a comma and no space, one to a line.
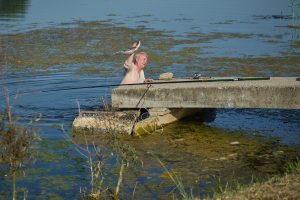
(54,55)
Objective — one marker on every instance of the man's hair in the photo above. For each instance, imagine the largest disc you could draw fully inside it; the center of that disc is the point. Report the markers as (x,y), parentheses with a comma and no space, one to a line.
(138,55)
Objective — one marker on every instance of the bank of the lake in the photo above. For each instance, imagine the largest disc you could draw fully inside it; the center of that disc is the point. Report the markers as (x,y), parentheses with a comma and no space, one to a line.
(278,187)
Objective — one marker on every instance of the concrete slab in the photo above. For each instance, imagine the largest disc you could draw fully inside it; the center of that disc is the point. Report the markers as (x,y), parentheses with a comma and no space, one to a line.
(121,122)
(277,92)
(126,122)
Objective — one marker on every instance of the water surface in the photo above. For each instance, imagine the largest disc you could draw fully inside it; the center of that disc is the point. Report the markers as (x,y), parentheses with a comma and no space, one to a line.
(50,48)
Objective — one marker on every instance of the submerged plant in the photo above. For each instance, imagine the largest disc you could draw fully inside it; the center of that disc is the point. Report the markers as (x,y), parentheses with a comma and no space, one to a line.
(177,181)
(17,145)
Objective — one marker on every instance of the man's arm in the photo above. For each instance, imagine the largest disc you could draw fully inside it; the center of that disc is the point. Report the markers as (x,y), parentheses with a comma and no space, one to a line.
(129,61)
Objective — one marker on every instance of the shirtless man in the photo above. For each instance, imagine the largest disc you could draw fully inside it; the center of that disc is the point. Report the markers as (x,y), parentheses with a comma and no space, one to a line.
(134,66)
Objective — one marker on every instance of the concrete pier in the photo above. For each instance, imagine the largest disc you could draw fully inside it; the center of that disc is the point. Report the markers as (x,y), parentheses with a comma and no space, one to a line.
(129,121)
(275,93)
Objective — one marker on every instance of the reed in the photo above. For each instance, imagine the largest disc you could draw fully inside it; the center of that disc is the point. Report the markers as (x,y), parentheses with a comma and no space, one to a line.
(17,144)
(177,181)
(124,153)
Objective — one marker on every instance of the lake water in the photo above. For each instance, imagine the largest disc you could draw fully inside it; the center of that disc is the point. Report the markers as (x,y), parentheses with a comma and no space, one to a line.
(54,54)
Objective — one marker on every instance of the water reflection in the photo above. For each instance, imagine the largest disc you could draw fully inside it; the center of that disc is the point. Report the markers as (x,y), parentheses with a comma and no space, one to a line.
(13,9)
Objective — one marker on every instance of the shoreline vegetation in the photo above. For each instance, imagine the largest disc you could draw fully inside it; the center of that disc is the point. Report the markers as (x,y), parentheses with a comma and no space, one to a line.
(18,147)
(278,186)
(286,186)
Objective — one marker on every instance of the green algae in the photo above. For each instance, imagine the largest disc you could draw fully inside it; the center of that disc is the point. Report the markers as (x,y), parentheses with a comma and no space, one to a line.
(53,151)
(59,183)
(51,157)
(92,44)
(296,44)
(47,144)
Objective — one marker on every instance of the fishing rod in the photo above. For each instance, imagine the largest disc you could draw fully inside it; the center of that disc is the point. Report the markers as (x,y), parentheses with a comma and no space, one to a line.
(157,82)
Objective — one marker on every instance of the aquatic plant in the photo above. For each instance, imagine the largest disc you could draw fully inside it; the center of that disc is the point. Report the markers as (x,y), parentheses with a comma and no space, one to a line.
(95,160)
(17,144)
(223,187)
(177,181)
(95,163)
(124,154)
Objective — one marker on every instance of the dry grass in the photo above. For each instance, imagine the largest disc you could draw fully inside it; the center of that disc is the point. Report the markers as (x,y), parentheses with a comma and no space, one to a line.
(276,188)
(286,187)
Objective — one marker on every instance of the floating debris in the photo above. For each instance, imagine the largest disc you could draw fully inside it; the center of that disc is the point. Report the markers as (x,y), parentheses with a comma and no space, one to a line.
(235,143)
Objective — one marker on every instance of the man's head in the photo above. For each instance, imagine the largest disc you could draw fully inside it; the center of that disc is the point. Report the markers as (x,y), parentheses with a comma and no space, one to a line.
(141,60)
